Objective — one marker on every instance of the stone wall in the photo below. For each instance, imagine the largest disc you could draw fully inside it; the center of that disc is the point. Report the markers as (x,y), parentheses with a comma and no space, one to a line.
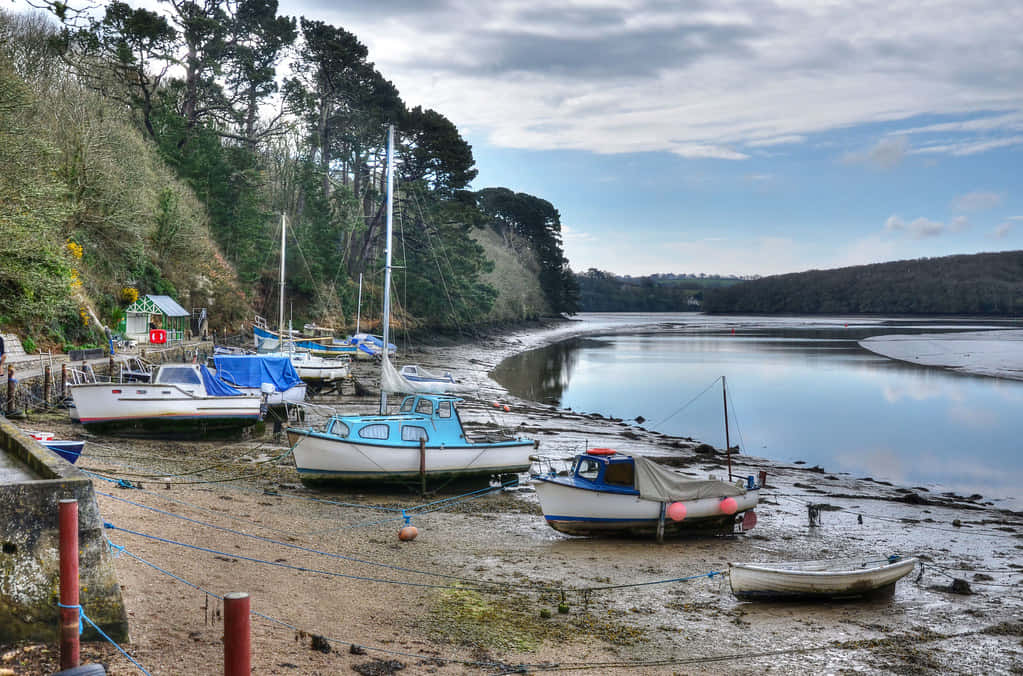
(29,548)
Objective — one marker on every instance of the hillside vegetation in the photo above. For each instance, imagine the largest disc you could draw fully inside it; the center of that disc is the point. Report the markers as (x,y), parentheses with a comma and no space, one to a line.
(120,175)
(601,291)
(979,284)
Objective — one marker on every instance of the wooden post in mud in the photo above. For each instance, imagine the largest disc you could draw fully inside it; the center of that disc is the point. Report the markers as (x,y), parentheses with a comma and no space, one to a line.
(70,613)
(422,466)
(10,388)
(63,381)
(237,652)
(46,385)
(660,523)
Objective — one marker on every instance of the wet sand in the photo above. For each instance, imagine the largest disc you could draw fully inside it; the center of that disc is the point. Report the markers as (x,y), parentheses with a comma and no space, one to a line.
(479,590)
(988,353)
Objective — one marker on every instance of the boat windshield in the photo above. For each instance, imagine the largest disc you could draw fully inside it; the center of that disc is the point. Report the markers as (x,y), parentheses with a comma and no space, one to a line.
(587,468)
(181,375)
(406,406)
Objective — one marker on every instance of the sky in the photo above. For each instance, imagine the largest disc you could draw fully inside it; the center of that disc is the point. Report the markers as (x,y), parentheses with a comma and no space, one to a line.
(735,137)
(727,136)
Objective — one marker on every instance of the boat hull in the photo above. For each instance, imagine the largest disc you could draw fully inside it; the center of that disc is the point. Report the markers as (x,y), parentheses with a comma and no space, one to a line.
(816,579)
(160,410)
(573,510)
(323,460)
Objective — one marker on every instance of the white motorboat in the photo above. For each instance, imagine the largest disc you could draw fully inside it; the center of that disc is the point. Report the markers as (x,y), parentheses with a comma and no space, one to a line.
(609,493)
(180,400)
(826,579)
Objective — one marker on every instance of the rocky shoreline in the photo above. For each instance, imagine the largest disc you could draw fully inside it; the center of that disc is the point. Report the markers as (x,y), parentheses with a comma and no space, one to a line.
(487,587)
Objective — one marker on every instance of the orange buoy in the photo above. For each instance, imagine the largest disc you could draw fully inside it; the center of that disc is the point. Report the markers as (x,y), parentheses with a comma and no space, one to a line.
(408,533)
(601,451)
(497,404)
(507,408)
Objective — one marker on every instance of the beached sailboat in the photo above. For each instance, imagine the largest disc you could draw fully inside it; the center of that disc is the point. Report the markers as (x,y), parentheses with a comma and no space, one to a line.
(826,579)
(313,365)
(425,440)
(179,400)
(610,493)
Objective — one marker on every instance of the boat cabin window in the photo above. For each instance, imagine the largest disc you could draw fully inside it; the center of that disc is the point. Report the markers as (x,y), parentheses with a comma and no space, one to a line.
(425,406)
(406,405)
(375,432)
(182,375)
(414,433)
(338,428)
(587,468)
(620,474)
(444,409)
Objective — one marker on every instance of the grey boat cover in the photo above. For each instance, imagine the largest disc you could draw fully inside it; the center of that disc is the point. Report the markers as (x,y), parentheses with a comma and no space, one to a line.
(660,484)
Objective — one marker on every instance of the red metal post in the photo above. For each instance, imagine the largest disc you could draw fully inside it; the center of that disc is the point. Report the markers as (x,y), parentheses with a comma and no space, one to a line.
(69,617)
(237,656)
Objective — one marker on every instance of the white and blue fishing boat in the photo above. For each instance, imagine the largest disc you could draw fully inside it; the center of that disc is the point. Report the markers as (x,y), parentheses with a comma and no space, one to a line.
(609,493)
(423,441)
(417,374)
(368,346)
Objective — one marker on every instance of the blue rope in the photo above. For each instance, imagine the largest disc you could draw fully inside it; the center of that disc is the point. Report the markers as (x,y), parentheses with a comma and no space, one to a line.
(80,613)
(292,627)
(285,544)
(362,578)
(81,628)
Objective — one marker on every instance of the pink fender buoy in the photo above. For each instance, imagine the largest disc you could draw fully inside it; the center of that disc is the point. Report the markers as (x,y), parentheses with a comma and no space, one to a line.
(676,511)
(408,533)
(497,404)
(729,506)
(749,520)
(507,408)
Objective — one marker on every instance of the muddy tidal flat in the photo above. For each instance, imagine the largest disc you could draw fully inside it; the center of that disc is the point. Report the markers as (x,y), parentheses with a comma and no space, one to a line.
(487,587)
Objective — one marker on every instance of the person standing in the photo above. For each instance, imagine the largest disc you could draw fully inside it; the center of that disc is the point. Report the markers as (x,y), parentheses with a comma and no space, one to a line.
(3,354)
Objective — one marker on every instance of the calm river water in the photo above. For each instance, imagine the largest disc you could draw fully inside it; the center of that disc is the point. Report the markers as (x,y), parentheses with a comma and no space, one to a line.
(798,389)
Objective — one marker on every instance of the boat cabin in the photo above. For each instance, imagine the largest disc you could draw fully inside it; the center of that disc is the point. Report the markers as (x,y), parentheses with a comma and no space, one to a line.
(434,419)
(603,468)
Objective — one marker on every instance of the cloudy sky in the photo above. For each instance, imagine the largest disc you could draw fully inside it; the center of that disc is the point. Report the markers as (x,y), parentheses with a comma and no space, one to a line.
(727,136)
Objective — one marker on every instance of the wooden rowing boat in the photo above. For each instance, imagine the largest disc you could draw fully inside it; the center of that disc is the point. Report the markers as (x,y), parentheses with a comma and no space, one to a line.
(828,579)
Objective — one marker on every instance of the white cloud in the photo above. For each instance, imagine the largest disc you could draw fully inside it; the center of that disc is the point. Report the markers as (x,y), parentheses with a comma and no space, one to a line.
(615,76)
(1002,230)
(964,148)
(917,229)
(978,200)
(887,153)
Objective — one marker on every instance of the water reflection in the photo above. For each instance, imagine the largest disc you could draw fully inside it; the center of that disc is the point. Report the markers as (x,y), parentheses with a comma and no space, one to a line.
(801,391)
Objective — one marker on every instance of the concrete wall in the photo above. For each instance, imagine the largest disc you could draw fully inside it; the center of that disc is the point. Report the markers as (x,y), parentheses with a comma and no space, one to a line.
(29,555)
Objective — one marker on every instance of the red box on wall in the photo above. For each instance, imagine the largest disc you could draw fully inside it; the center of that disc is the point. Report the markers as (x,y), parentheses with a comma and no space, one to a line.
(157,336)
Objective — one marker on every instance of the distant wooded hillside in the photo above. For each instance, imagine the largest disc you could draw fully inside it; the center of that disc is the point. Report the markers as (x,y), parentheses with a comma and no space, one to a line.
(601,291)
(979,284)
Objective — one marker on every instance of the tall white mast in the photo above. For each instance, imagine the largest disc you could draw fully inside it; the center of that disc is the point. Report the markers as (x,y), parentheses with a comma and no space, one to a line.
(387,255)
(281,314)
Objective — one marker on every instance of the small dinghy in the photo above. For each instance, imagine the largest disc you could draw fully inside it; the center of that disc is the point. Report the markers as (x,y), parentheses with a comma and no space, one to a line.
(828,579)
(69,449)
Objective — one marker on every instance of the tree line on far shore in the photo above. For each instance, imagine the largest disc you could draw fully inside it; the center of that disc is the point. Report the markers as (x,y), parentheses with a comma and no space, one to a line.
(977,284)
(601,291)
